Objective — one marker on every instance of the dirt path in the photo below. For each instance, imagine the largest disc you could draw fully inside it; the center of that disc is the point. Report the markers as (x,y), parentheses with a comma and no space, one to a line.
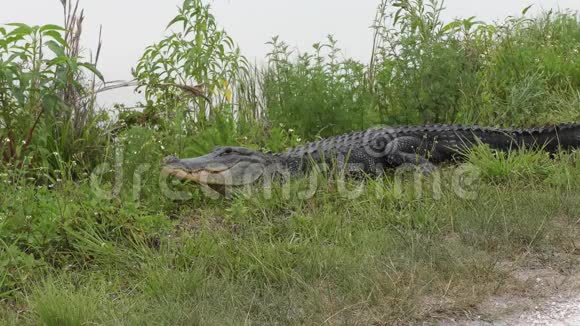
(556,311)
(553,299)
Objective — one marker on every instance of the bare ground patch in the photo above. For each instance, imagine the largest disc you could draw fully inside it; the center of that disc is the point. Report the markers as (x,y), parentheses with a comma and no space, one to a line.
(537,296)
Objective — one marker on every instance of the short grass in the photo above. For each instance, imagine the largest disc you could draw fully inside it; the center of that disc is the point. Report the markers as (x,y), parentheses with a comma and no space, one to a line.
(392,255)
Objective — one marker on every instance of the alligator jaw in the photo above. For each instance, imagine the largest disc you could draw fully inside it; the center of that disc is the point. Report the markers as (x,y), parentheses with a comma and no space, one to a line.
(224,166)
(198,176)
(237,175)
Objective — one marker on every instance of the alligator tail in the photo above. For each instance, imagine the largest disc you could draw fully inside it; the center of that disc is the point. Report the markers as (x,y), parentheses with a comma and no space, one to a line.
(552,138)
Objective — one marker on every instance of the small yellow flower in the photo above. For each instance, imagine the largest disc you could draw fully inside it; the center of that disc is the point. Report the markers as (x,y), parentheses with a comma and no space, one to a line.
(227,90)
(228,95)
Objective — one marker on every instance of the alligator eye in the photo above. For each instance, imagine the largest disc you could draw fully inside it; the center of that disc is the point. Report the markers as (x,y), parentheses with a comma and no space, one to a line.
(225,151)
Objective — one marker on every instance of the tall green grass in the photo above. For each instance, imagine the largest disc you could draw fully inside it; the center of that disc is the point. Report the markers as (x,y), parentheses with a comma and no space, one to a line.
(374,258)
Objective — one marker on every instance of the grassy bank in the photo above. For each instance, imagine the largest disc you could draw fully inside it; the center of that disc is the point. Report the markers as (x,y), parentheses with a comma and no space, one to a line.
(392,254)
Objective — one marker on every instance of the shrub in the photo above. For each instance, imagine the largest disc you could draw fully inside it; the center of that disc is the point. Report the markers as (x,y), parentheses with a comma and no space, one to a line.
(47,99)
(520,72)
(200,54)
(317,95)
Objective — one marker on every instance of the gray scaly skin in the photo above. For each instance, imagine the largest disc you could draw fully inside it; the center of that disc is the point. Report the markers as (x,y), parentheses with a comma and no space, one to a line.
(369,151)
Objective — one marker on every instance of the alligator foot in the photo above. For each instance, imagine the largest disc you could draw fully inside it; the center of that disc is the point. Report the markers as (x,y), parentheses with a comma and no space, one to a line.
(423,168)
(406,152)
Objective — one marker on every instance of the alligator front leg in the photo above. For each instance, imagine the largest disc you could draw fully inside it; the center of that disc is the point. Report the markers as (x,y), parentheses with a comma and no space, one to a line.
(408,151)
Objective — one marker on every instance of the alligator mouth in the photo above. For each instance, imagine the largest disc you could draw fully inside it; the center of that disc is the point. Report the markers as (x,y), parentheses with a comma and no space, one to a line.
(202,176)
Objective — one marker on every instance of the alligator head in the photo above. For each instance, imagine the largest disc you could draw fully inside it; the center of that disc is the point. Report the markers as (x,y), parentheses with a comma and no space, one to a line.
(223,166)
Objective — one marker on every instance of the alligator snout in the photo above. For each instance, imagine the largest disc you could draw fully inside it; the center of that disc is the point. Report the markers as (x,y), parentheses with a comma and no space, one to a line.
(169,159)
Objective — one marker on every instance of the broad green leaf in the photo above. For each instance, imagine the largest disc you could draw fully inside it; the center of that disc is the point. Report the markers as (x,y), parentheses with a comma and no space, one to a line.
(451,26)
(93,69)
(175,20)
(21,29)
(13,39)
(19,25)
(56,36)
(58,61)
(51,27)
(56,48)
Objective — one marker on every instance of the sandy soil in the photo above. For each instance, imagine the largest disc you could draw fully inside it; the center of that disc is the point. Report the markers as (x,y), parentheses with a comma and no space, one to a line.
(552,298)
(557,311)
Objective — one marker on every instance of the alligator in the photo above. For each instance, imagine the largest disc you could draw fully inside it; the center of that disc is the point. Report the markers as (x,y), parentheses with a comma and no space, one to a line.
(370,152)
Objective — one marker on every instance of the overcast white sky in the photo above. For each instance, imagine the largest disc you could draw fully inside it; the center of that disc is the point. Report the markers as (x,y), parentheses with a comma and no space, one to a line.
(130,25)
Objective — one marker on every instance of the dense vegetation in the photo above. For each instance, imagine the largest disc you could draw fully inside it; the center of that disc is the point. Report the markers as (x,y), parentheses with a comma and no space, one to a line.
(87,234)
